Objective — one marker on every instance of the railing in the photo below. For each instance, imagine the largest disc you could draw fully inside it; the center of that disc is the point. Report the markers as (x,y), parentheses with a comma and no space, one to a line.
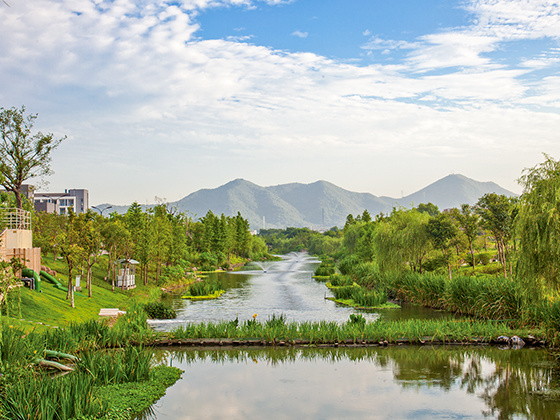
(14,218)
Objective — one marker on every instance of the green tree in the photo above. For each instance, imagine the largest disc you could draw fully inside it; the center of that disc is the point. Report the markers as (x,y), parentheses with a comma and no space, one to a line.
(88,226)
(23,155)
(366,217)
(401,241)
(47,226)
(498,215)
(116,237)
(67,244)
(242,235)
(428,208)
(442,231)
(538,226)
(468,221)
(160,235)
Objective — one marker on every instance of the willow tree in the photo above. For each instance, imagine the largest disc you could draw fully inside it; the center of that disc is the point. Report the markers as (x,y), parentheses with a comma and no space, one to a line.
(23,155)
(538,226)
(401,241)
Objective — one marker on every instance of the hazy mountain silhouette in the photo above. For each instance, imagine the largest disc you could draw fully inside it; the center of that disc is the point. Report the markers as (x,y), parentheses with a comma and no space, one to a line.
(320,204)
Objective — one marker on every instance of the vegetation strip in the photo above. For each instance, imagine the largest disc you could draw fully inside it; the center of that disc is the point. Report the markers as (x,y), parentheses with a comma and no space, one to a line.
(426,340)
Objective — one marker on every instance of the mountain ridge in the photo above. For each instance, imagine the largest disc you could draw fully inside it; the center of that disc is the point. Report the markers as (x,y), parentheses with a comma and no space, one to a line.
(320,204)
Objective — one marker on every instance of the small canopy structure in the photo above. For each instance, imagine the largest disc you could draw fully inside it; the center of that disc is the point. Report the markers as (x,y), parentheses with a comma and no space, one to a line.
(126,279)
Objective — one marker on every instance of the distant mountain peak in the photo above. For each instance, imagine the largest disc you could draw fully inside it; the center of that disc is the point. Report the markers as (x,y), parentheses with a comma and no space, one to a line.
(320,204)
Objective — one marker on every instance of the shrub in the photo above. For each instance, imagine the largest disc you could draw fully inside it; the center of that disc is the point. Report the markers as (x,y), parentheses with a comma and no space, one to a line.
(340,280)
(347,264)
(159,310)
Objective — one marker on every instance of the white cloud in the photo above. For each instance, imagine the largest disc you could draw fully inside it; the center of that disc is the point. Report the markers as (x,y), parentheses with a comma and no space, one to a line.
(518,19)
(300,34)
(119,76)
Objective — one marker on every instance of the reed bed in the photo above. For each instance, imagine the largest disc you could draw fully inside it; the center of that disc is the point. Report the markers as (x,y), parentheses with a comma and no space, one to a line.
(413,331)
(204,288)
(28,393)
(485,297)
(115,366)
(360,296)
(32,396)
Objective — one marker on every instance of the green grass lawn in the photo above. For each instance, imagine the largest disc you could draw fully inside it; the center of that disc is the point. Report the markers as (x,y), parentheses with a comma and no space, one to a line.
(51,308)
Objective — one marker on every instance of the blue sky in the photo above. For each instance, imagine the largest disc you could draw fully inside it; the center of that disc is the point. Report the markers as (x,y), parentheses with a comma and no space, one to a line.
(165,98)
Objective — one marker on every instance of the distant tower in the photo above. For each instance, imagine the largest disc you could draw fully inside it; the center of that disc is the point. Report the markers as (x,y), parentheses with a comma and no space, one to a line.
(264,224)
(323,219)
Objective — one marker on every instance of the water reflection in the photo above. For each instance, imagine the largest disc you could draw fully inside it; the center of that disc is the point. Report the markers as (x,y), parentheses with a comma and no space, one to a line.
(329,383)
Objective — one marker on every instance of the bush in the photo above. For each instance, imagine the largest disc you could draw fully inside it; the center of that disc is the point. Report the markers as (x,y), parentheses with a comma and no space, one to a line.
(159,310)
(347,264)
(340,280)
(324,270)
(204,288)
(484,258)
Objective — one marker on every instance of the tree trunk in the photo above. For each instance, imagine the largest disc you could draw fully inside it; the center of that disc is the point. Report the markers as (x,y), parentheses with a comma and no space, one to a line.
(70,294)
(89,278)
(17,194)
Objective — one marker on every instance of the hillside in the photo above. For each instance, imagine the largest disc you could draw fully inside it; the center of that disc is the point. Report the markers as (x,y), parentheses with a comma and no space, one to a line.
(319,204)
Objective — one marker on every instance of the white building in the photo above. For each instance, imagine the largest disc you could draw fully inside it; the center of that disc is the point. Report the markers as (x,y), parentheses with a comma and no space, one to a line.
(75,199)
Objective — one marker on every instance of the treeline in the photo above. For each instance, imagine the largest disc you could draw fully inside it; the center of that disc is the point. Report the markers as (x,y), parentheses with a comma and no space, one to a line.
(514,238)
(165,243)
(421,239)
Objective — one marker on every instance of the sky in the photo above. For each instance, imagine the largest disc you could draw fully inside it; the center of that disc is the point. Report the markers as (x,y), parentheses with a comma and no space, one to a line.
(161,99)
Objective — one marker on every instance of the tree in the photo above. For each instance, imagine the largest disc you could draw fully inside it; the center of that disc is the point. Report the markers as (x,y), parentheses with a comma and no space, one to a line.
(429,208)
(468,221)
(498,214)
(366,217)
(538,226)
(442,230)
(89,240)
(115,237)
(67,244)
(23,155)
(401,241)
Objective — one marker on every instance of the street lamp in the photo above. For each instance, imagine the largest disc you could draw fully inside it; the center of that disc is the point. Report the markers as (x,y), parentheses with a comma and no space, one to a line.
(101,210)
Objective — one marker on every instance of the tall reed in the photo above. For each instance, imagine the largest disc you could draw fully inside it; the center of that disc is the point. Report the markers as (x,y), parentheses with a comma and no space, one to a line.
(32,396)
(129,364)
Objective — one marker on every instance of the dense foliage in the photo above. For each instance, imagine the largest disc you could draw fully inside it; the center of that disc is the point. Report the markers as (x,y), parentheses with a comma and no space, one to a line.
(167,245)
(497,259)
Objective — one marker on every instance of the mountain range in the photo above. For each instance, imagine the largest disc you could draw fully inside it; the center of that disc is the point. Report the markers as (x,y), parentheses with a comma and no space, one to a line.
(320,204)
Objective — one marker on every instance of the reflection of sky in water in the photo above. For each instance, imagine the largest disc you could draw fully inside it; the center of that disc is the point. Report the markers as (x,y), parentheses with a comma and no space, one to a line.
(382,385)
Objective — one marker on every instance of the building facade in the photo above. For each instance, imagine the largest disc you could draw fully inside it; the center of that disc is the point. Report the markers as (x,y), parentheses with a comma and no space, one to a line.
(61,203)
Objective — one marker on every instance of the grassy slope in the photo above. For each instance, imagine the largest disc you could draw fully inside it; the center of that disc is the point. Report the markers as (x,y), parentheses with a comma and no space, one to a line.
(51,307)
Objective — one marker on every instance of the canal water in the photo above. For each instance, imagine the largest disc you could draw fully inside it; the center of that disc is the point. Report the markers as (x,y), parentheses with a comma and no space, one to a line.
(360,383)
(276,288)
(342,383)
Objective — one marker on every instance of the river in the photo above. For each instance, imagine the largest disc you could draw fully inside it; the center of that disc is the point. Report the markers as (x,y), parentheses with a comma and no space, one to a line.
(342,383)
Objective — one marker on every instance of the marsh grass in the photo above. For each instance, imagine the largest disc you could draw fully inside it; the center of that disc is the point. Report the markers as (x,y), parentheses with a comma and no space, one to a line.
(445,330)
(485,297)
(115,366)
(33,396)
(209,289)
(358,296)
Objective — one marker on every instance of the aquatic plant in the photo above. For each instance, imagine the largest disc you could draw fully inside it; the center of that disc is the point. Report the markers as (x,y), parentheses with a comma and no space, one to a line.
(30,396)
(159,310)
(204,288)
(444,330)
(128,364)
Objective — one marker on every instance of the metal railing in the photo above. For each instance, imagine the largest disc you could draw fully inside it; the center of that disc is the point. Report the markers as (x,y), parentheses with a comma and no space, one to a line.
(14,218)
